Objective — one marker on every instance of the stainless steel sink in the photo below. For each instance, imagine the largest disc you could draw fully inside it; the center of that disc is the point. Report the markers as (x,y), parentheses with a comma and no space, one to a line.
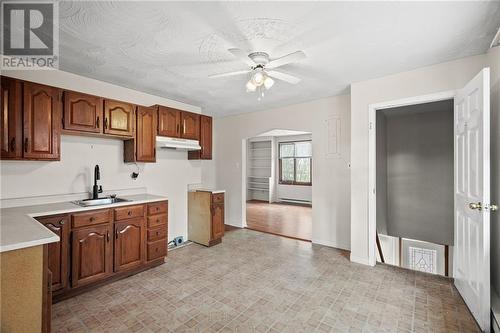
(99,202)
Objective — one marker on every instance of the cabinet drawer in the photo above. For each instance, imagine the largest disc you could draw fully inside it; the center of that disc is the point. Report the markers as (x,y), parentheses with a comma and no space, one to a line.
(157,249)
(157,208)
(129,212)
(218,198)
(90,218)
(157,233)
(154,221)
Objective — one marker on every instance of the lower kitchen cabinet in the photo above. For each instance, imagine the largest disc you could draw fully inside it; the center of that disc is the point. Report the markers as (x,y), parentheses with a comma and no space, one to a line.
(57,255)
(129,244)
(101,245)
(206,217)
(92,254)
(217,220)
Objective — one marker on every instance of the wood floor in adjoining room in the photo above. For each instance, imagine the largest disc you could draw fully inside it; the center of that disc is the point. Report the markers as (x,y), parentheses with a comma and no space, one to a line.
(257,282)
(280,219)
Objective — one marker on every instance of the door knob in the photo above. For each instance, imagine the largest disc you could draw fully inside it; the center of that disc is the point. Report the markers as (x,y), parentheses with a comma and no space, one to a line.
(493,208)
(477,206)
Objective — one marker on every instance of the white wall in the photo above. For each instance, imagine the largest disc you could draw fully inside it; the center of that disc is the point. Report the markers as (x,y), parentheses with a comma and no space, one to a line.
(330,192)
(437,78)
(169,176)
(295,192)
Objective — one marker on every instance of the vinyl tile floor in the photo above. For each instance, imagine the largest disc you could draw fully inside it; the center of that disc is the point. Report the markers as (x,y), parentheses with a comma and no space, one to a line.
(257,282)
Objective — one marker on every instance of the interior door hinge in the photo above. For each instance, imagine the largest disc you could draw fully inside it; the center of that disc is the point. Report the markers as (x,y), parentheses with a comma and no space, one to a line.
(371,125)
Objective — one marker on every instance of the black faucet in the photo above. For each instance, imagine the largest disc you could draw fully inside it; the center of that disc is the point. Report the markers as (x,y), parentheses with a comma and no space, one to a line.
(96,189)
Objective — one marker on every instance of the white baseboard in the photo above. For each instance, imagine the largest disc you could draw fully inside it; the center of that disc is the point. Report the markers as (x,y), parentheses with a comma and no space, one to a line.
(330,244)
(360,260)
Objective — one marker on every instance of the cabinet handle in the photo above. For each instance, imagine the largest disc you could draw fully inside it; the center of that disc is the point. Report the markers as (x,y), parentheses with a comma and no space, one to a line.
(26,145)
(116,233)
(105,123)
(107,235)
(129,213)
(177,128)
(13,144)
(62,222)
(97,122)
(184,126)
(92,219)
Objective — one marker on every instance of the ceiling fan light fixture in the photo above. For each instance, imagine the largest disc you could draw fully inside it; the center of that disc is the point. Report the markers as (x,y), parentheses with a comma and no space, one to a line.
(258,78)
(268,82)
(250,86)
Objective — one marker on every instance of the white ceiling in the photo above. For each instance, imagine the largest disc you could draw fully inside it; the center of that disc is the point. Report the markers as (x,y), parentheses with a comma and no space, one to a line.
(170,48)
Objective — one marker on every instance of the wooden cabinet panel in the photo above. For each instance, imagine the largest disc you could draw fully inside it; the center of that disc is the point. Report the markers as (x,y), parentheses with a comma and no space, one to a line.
(92,254)
(157,233)
(217,221)
(146,134)
(218,198)
(157,208)
(154,221)
(190,125)
(205,140)
(129,212)
(58,252)
(42,121)
(90,218)
(129,244)
(169,121)
(119,118)
(157,249)
(11,119)
(82,112)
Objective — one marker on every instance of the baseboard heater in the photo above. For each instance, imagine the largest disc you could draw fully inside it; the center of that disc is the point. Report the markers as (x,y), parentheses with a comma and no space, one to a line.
(297,201)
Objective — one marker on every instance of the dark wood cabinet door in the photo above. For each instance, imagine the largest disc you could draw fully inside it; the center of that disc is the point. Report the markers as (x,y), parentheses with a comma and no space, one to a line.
(58,252)
(129,244)
(42,121)
(11,118)
(92,254)
(146,134)
(217,221)
(169,121)
(119,118)
(82,112)
(190,125)
(205,140)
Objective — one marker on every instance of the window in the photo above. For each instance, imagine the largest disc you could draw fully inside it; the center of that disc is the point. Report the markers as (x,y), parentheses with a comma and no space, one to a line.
(295,163)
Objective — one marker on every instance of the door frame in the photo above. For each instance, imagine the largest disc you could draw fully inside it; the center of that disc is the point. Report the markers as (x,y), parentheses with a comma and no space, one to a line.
(372,153)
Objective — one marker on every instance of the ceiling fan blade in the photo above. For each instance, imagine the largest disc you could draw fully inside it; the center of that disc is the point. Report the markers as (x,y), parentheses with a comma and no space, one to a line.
(230,73)
(240,54)
(289,58)
(284,77)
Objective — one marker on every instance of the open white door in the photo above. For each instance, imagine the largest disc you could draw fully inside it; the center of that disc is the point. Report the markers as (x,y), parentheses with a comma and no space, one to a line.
(472,196)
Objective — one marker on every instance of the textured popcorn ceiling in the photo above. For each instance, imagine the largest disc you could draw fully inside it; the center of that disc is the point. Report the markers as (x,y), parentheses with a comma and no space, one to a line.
(170,48)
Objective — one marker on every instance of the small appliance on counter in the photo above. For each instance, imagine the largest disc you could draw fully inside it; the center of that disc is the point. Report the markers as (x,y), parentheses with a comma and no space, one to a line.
(206,216)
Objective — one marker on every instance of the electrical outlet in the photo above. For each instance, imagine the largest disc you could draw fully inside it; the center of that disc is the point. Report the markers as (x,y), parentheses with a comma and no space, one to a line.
(178,240)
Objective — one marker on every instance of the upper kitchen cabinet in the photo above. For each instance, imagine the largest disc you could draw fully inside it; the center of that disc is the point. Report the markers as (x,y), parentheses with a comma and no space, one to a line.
(42,121)
(178,124)
(169,122)
(119,118)
(11,117)
(205,140)
(143,148)
(190,125)
(82,112)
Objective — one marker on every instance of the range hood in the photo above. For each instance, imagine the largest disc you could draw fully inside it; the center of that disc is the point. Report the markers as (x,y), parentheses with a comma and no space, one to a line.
(179,144)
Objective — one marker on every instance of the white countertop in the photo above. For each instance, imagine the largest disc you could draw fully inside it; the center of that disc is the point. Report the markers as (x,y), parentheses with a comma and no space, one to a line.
(207,190)
(19,229)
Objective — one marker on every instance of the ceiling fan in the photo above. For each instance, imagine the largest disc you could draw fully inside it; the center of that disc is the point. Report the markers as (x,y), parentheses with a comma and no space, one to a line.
(263,69)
